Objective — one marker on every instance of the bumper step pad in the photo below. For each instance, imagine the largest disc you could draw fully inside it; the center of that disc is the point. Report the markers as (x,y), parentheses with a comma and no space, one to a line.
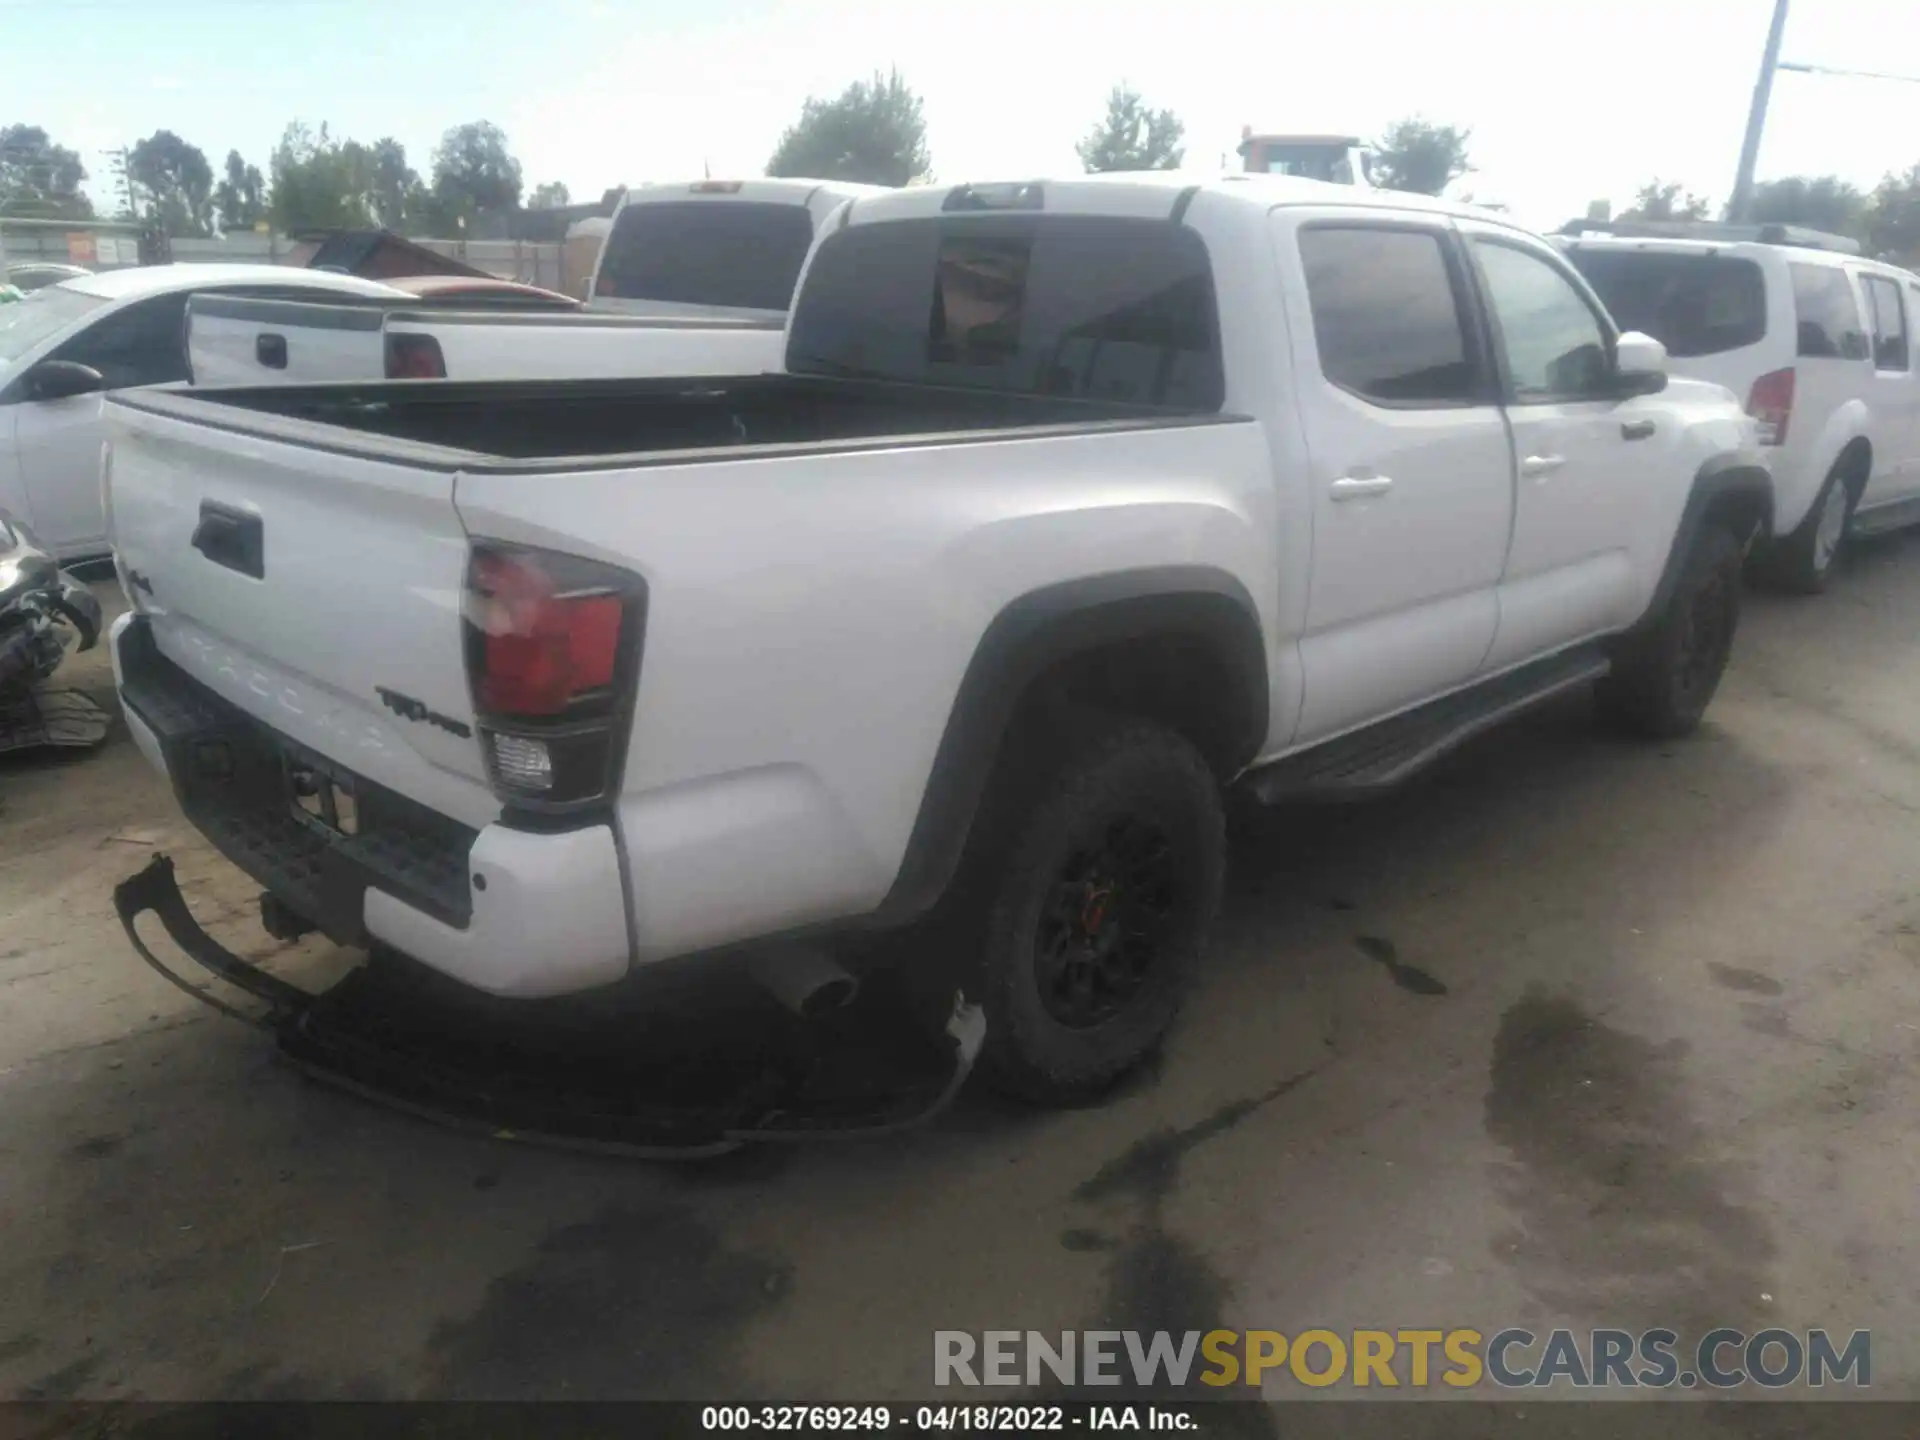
(677,1071)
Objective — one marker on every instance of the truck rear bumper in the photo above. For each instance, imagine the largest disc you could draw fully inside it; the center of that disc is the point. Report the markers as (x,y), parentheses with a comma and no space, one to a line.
(506,911)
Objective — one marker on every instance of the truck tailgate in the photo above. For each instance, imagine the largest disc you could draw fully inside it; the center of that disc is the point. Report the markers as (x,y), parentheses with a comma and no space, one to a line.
(493,346)
(245,340)
(321,592)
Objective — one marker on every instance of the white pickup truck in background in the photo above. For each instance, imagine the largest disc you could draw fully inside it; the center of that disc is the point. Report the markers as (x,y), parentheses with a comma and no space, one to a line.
(1077,503)
(233,341)
(694,280)
(726,248)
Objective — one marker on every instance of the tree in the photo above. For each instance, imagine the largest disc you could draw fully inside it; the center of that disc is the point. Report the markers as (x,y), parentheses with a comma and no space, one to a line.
(1819,202)
(1132,137)
(320,183)
(1420,158)
(475,177)
(1658,200)
(550,196)
(177,181)
(872,132)
(39,178)
(241,199)
(1893,224)
(398,197)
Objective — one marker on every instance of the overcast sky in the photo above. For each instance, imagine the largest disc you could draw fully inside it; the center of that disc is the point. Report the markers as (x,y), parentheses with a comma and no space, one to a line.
(1567,101)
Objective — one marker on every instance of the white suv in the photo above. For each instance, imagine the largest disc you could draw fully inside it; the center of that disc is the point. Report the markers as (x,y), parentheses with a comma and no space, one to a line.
(1815,338)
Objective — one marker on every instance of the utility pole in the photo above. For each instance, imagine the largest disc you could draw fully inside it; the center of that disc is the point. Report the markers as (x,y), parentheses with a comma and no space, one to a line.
(123,172)
(1757,117)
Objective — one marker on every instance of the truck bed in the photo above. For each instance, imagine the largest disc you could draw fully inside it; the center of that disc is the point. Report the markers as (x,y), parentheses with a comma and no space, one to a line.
(517,425)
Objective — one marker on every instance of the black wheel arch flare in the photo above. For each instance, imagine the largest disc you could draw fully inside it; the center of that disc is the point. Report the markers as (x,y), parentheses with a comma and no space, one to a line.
(1727,485)
(1035,633)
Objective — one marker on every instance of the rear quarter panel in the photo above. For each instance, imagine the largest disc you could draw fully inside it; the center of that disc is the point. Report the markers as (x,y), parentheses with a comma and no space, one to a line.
(809,621)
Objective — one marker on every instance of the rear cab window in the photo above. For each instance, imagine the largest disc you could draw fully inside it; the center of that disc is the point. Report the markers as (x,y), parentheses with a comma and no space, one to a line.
(1082,306)
(720,254)
(1826,313)
(1388,314)
(1695,304)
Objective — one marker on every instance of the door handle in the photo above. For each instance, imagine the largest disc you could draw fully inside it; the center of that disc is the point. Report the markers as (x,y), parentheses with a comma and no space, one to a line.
(1636,429)
(1354,487)
(1536,465)
(232,538)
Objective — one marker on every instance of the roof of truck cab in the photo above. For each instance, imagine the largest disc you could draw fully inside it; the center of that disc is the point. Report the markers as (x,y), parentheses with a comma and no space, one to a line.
(766,190)
(1153,193)
(146,280)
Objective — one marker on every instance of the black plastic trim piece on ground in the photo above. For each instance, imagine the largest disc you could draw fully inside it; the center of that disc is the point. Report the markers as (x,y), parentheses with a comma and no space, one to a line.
(339,1038)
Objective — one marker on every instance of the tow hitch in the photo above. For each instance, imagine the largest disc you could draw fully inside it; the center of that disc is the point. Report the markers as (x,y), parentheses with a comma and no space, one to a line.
(584,1073)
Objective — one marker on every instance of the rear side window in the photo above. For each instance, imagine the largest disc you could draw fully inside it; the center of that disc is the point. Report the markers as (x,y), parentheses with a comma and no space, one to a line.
(734,253)
(1386,314)
(1827,315)
(1692,304)
(1091,307)
(1889,323)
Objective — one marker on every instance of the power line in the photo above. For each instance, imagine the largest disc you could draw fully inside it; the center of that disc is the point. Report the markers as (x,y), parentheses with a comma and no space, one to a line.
(1853,74)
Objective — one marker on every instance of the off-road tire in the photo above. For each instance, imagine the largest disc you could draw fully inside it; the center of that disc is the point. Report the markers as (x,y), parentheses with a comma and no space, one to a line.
(1804,561)
(1665,673)
(1106,790)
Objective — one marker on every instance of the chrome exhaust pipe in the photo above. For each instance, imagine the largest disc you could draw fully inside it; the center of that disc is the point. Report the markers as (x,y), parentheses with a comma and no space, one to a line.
(804,979)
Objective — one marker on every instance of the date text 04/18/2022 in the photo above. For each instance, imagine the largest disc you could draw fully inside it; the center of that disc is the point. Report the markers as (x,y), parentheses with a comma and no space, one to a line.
(1012,1419)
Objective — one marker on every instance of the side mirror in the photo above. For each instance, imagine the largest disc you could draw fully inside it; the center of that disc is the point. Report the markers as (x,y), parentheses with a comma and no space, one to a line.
(1640,364)
(61,380)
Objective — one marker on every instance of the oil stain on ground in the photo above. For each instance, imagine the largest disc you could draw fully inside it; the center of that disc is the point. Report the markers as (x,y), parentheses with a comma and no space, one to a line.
(1407,977)
(1155,1280)
(1748,982)
(65,1383)
(632,1304)
(1625,1213)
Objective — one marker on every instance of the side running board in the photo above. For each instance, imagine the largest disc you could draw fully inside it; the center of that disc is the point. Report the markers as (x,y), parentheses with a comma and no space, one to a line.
(1367,762)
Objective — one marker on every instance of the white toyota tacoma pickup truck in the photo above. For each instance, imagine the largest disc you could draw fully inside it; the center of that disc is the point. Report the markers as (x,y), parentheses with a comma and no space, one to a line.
(1080,502)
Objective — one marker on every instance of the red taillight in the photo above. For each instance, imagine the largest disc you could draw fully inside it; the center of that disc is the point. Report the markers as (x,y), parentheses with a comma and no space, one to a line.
(603,285)
(415,357)
(1770,402)
(552,654)
(542,650)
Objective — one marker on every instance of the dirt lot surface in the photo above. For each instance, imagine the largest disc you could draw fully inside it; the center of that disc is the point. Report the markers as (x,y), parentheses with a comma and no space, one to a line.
(1572,1032)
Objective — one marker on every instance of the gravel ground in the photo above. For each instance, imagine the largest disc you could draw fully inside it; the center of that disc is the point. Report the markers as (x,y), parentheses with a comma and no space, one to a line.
(1571,1032)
